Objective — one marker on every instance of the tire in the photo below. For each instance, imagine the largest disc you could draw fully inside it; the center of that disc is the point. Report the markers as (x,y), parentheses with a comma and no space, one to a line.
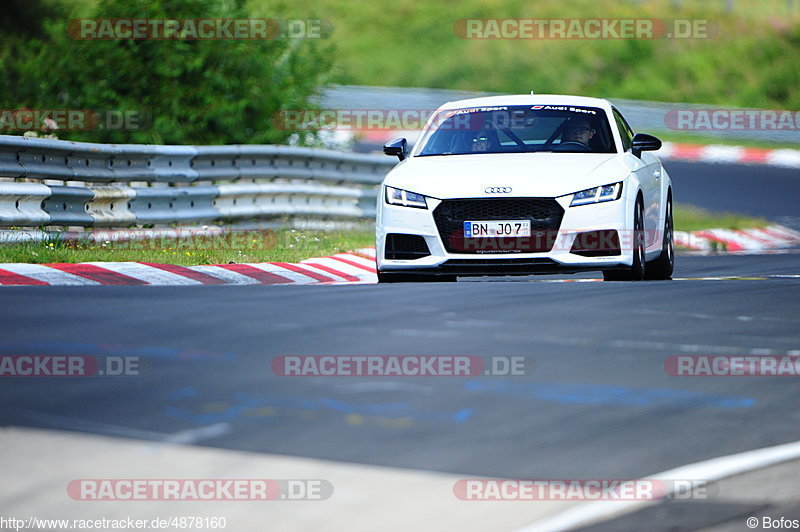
(637,269)
(661,268)
(384,277)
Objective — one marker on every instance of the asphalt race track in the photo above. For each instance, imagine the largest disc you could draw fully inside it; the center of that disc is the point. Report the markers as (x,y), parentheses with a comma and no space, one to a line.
(755,190)
(598,403)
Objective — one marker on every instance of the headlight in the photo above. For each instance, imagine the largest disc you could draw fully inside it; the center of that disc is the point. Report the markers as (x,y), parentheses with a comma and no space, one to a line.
(597,195)
(395,196)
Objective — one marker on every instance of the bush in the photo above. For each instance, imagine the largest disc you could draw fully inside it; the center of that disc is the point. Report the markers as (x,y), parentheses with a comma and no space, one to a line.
(190,91)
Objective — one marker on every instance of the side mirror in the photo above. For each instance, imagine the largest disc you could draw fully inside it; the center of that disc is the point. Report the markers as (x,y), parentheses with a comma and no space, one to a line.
(399,147)
(643,142)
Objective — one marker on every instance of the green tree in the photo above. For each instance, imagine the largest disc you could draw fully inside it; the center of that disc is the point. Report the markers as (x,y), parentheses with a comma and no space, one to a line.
(192,91)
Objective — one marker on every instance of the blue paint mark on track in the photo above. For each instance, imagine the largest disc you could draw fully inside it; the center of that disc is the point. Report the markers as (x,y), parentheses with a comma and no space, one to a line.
(241,403)
(583,394)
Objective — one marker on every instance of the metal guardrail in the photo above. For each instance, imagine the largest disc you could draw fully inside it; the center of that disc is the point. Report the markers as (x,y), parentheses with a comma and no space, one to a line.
(119,185)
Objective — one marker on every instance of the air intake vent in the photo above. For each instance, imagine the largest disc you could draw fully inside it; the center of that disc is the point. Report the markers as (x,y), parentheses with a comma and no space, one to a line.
(405,247)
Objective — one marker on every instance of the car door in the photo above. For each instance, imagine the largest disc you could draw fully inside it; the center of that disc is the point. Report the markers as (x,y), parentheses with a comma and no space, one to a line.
(648,171)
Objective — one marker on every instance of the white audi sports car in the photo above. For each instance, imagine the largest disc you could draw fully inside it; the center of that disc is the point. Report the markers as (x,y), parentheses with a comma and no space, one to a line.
(520,185)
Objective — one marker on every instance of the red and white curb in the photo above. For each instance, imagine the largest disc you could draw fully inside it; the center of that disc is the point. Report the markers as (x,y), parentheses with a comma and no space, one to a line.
(766,239)
(714,153)
(355,267)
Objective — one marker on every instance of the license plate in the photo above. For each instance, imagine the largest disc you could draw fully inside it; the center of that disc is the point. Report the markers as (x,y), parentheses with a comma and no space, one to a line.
(497,228)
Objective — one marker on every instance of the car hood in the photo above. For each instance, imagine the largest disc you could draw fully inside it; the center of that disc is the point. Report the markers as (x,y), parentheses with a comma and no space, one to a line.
(527,174)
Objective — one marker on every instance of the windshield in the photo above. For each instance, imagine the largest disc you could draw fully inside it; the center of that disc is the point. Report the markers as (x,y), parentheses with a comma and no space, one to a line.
(518,129)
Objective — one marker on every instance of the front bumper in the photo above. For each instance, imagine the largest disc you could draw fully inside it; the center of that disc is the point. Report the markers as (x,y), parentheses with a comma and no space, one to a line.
(614,216)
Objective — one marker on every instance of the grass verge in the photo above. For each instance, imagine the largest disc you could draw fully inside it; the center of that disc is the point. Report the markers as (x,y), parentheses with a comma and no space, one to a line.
(283,245)
(691,218)
(746,56)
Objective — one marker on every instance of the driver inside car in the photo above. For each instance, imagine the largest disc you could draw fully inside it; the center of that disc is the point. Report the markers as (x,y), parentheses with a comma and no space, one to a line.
(578,130)
(485,141)
(480,143)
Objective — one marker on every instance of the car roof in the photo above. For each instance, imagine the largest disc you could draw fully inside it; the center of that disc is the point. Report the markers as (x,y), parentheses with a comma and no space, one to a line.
(529,99)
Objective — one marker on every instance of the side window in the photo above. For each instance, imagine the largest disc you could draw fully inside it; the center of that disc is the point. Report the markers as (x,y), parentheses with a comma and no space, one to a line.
(624,131)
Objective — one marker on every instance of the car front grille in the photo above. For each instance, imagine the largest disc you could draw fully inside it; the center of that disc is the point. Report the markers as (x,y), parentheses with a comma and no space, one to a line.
(545,215)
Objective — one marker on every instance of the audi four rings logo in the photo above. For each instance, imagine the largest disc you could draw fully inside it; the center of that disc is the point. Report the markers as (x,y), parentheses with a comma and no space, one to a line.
(497,190)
